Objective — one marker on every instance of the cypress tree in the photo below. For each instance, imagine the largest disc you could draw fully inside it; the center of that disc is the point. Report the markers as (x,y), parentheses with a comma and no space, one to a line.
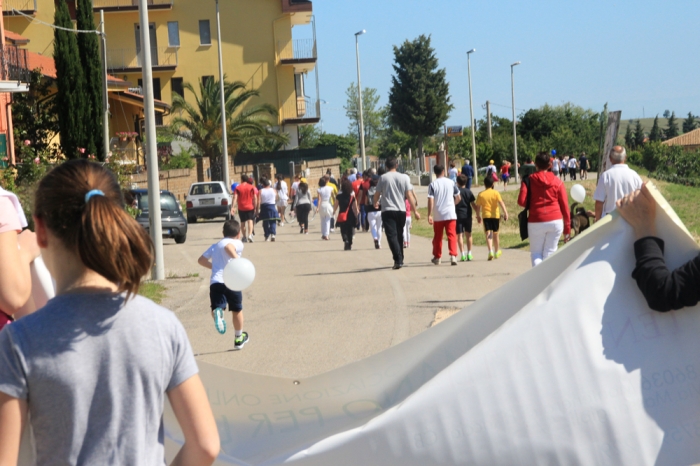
(419,99)
(629,136)
(689,123)
(672,129)
(70,83)
(656,134)
(89,47)
(638,135)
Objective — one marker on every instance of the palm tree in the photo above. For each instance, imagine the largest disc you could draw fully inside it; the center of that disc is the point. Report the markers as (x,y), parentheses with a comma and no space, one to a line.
(201,123)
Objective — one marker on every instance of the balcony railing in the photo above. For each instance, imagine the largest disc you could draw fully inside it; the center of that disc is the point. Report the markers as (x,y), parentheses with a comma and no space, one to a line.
(127,5)
(304,110)
(13,64)
(300,50)
(25,6)
(129,60)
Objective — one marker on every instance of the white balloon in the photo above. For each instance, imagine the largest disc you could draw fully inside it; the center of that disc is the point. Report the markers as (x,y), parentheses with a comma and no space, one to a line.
(578,192)
(239,274)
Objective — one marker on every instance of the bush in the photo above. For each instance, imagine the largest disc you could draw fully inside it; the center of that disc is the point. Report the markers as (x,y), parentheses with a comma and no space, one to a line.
(182,160)
(635,157)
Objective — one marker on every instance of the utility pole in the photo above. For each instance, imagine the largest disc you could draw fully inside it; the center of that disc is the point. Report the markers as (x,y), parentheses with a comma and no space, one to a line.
(515,138)
(471,111)
(224,136)
(488,120)
(359,100)
(154,218)
(105,95)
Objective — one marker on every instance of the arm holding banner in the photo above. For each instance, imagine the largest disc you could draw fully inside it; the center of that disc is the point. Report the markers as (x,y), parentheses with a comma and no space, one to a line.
(663,289)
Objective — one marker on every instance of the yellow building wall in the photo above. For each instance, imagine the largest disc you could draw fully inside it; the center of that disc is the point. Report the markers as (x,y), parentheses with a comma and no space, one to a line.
(251,31)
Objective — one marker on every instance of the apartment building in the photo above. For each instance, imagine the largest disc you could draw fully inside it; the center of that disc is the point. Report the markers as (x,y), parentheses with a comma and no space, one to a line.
(268,44)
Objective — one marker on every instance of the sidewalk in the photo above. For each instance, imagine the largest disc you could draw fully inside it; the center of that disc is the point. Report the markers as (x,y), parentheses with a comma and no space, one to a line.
(314,307)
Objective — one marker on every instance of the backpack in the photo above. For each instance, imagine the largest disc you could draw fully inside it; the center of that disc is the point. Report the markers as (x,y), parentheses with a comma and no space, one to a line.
(370,195)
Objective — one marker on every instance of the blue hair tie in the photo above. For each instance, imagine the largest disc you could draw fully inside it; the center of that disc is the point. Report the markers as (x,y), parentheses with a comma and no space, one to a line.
(94,192)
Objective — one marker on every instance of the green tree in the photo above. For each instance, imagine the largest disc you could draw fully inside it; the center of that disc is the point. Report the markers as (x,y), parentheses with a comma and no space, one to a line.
(689,123)
(34,116)
(656,134)
(371,114)
(638,135)
(345,145)
(419,100)
(89,48)
(309,136)
(201,123)
(629,136)
(672,128)
(70,99)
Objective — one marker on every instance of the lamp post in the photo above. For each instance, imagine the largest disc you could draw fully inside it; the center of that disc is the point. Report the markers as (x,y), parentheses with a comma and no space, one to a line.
(471,113)
(224,136)
(515,139)
(156,226)
(359,100)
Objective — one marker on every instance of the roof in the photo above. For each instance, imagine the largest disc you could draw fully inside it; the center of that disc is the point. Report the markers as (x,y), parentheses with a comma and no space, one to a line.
(43,63)
(691,138)
(15,39)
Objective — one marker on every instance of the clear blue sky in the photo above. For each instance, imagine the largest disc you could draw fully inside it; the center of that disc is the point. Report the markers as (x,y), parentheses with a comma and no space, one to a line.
(638,56)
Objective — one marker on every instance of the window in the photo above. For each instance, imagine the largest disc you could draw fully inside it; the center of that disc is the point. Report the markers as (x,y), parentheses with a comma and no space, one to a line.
(156,88)
(167,202)
(173,34)
(204,32)
(176,84)
(206,79)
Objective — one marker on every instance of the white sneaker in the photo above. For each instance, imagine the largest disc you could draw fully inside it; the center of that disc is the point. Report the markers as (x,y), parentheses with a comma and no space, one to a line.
(267,239)
(436,261)
(453,260)
(332,230)
(272,238)
(250,239)
(281,224)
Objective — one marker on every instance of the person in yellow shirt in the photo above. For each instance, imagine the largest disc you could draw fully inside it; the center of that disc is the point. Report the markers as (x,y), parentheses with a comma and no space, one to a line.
(487,205)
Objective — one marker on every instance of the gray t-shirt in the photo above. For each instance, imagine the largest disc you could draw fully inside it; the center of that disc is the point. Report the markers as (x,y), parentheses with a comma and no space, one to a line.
(94,372)
(394,188)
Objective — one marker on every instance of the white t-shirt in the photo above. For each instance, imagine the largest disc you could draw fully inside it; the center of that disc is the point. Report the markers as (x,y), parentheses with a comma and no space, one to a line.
(491,169)
(555,165)
(295,187)
(282,191)
(443,192)
(219,257)
(615,183)
(572,163)
(325,193)
(453,173)
(268,196)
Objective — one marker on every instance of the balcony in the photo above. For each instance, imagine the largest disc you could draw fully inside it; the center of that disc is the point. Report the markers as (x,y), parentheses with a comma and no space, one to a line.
(304,112)
(13,64)
(127,60)
(300,53)
(130,5)
(28,7)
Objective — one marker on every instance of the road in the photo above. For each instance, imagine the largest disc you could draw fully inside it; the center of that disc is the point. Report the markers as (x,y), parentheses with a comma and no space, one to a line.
(314,307)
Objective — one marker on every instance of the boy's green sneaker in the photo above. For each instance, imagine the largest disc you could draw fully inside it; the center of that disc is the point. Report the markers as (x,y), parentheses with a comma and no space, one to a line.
(241,340)
(219,321)
(470,257)
(490,256)
(498,254)
(463,258)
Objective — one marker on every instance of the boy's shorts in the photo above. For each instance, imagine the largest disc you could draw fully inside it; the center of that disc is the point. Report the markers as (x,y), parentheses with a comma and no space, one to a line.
(220,296)
(505,177)
(464,225)
(246,215)
(492,224)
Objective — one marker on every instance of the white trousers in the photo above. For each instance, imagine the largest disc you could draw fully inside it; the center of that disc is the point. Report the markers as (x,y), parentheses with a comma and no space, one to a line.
(375,225)
(407,230)
(326,212)
(544,239)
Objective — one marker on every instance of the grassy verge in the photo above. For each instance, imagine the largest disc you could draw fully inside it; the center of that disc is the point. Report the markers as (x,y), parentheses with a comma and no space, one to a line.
(153,291)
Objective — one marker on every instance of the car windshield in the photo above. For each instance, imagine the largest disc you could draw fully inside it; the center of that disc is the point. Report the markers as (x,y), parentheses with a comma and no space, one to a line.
(167,202)
(207,188)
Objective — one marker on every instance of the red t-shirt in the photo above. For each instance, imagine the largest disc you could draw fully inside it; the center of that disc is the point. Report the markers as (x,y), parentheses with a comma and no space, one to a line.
(548,199)
(246,194)
(505,169)
(356,186)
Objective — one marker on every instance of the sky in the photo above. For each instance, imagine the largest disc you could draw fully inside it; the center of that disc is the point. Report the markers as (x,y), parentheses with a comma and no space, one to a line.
(638,56)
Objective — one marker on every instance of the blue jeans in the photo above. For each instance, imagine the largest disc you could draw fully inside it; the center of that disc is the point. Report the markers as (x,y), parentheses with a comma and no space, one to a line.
(363,218)
(269,226)
(469,182)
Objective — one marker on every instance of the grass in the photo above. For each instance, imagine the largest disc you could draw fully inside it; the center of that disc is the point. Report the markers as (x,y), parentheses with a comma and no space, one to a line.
(173,275)
(153,291)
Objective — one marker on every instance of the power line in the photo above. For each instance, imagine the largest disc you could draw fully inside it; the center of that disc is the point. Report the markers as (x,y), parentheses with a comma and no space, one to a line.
(31,18)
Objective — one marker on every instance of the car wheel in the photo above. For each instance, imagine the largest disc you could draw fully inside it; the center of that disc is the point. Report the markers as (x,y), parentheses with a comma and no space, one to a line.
(191,219)
(180,239)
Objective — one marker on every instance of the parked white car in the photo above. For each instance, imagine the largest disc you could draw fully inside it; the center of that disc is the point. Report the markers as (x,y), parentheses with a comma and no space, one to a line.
(208,200)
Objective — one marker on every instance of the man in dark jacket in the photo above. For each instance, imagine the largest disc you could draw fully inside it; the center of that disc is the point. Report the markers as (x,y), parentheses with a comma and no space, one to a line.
(468,171)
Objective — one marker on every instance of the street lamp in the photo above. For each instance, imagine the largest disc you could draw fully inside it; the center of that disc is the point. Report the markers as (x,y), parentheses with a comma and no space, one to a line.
(515,140)
(224,136)
(471,113)
(359,97)
(324,102)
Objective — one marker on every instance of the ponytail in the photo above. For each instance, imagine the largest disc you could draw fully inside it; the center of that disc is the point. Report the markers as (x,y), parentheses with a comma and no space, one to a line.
(82,204)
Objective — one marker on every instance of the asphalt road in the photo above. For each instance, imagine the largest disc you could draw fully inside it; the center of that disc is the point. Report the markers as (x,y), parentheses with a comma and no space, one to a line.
(314,307)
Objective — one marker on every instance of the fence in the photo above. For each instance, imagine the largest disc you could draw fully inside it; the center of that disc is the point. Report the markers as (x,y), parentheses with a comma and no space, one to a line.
(299,49)
(13,64)
(124,59)
(98,4)
(19,5)
(281,159)
(302,109)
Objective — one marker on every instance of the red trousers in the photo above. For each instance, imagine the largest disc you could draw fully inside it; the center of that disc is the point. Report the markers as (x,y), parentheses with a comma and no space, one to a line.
(451,227)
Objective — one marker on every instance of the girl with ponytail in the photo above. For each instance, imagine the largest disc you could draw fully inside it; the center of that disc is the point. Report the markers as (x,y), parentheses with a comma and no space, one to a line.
(94,365)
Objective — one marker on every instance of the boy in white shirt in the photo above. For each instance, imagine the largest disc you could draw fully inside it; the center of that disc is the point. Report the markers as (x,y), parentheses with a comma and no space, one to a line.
(216,258)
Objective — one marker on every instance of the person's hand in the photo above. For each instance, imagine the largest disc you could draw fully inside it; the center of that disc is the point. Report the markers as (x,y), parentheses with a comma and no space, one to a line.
(376,206)
(416,214)
(430,219)
(639,210)
(567,238)
(505,216)
(27,244)
(478,219)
